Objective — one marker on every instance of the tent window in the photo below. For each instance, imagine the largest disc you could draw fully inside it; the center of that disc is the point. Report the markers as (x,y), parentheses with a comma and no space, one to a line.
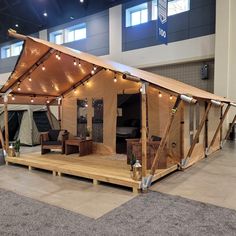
(82,111)
(97,120)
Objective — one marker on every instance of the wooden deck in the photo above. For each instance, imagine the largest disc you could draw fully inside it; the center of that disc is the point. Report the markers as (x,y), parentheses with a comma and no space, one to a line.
(96,167)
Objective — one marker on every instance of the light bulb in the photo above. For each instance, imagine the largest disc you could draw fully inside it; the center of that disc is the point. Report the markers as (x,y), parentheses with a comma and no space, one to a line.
(160,94)
(13,98)
(30,79)
(92,72)
(75,63)
(94,68)
(171,97)
(115,80)
(43,68)
(32,100)
(140,90)
(48,101)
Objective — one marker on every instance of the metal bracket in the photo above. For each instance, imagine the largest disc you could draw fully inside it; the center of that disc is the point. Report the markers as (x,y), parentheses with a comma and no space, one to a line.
(146,182)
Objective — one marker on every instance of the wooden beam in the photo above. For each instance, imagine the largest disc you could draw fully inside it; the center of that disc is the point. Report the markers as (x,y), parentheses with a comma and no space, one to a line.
(218,127)
(230,128)
(43,58)
(203,120)
(165,136)
(144,129)
(6,126)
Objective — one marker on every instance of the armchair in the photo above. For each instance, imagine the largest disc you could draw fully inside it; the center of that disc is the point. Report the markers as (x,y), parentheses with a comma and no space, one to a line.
(53,139)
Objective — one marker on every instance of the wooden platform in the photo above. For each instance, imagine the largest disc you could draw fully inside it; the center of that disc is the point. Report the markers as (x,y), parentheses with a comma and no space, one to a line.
(96,167)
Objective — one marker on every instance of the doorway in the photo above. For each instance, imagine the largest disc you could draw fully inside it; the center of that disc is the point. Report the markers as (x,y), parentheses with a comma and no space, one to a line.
(128,119)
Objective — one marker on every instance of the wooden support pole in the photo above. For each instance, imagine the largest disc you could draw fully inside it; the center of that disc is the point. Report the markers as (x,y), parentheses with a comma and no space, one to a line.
(230,128)
(219,127)
(203,120)
(165,136)
(6,124)
(59,112)
(144,129)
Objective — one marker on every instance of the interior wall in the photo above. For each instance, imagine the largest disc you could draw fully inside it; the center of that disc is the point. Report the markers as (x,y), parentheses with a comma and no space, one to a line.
(189,73)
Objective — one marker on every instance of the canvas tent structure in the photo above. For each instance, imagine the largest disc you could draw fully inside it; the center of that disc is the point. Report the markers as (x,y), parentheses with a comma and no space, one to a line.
(26,122)
(85,88)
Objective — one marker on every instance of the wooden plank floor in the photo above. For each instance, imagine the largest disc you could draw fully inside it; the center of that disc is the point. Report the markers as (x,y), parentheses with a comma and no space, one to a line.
(95,167)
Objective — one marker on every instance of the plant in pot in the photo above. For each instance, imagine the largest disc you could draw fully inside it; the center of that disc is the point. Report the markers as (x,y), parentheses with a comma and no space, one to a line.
(17,148)
(87,133)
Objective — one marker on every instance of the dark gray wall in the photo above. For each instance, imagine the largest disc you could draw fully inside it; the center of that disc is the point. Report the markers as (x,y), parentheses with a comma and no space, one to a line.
(199,21)
(189,73)
(97,41)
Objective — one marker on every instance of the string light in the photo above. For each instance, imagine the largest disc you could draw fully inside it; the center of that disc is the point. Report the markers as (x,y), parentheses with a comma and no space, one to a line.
(79,63)
(171,97)
(31,99)
(115,79)
(47,101)
(43,68)
(92,72)
(18,87)
(75,62)
(160,95)
(13,98)
(30,79)
(140,90)
(94,67)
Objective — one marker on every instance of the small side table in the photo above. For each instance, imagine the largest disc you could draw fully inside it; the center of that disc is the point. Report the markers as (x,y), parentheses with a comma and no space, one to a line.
(84,147)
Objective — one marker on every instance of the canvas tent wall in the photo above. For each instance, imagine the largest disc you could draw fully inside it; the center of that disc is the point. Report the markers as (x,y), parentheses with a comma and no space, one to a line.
(29,128)
(58,73)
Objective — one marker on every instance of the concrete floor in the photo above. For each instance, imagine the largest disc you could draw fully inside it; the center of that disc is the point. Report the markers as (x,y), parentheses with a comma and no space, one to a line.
(212,180)
(77,195)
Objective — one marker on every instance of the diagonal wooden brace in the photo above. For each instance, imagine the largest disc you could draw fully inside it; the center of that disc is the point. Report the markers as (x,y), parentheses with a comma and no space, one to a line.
(203,120)
(164,139)
(218,128)
(229,130)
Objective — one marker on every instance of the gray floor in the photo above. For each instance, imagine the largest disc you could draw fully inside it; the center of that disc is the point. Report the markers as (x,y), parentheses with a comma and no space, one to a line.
(212,180)
(148,214)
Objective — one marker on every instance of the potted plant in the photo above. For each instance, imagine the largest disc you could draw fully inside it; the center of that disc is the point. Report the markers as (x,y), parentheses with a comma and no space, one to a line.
(87,133)
(17,148)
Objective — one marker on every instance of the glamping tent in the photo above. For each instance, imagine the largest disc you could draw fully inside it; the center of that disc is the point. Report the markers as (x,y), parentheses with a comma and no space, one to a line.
(186,121)
(25,123)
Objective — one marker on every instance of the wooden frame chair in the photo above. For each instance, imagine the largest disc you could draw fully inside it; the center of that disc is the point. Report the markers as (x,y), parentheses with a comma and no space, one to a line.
(53,139)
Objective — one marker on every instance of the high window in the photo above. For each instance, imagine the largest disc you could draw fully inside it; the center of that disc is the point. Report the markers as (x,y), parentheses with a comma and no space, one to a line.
(70,34)
(137,15)
(56,37)
(76,33)
(11,50)
(174,7)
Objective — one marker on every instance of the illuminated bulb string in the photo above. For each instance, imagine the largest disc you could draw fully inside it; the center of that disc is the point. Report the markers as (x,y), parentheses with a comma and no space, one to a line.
(43,68)
(13,98)
(160,94)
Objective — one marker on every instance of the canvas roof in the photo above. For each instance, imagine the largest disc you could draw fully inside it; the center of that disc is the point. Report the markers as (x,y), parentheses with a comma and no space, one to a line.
(61,76)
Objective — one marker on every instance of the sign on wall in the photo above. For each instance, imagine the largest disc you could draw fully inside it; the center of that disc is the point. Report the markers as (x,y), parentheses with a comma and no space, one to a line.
(162,19)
